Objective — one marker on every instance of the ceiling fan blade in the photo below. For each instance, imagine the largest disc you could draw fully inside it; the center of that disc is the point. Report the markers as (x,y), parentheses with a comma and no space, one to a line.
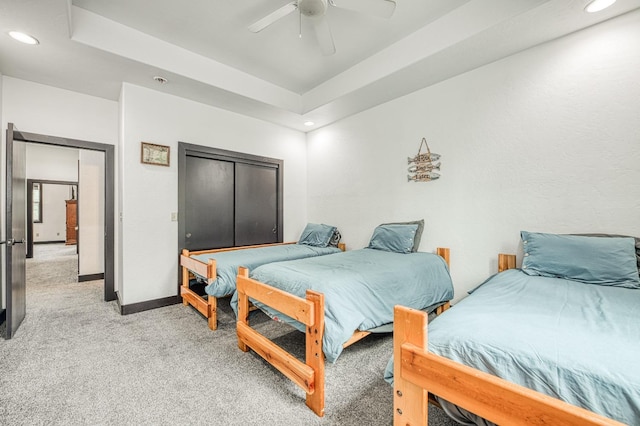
(323,34)
(380,8)
(273,17)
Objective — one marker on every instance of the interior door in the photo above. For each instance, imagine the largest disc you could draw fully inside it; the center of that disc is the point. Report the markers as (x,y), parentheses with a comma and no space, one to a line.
(15,260)
(209,199)
(256,191)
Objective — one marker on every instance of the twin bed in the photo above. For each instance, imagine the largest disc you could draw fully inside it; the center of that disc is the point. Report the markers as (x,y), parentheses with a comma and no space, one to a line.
(339,299)
(555,342)
(215,271)
(335,298)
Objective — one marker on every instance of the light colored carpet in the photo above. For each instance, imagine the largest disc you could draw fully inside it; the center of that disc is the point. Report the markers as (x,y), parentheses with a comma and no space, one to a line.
(76,361)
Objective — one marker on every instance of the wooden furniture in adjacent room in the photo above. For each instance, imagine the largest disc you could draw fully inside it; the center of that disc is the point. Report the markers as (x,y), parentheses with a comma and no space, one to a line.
(72,222)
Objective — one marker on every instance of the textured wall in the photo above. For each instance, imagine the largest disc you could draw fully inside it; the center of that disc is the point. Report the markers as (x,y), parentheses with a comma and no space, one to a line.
(546,140)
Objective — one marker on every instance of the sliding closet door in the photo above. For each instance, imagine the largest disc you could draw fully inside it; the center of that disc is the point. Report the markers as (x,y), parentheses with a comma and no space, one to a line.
(256,191)
(209,203)
(227,198)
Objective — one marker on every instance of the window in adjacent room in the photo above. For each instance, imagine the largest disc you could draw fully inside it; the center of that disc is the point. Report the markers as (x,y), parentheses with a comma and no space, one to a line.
(37,202)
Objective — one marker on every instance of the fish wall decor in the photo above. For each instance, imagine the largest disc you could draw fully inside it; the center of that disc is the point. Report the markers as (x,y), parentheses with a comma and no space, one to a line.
(422,165)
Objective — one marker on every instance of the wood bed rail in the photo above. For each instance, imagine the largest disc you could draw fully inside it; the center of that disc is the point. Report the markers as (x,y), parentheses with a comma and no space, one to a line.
(445,253)
(418,372)
(209,307)
(310,311)
(207,270)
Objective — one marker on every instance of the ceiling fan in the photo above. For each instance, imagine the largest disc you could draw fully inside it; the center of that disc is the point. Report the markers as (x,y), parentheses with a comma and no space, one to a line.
(316,11)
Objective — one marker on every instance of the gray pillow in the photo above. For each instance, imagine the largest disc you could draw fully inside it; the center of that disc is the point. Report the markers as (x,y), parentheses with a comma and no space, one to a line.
(317,234)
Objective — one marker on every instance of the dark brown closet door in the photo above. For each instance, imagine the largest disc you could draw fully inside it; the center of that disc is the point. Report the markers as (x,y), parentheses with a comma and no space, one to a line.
(256,191)
(209,199)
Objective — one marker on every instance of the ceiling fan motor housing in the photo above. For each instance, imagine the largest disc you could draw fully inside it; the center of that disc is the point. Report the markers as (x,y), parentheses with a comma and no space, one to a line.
(312,7)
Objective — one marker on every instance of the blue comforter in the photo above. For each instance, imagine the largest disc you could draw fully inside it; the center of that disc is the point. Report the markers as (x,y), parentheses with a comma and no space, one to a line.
(576,342)
(227,262)
(360,288)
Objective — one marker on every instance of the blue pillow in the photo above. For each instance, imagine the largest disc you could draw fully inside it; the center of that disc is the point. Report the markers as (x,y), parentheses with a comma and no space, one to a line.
(591,260)
(317,234)
(417,236)
(394,237)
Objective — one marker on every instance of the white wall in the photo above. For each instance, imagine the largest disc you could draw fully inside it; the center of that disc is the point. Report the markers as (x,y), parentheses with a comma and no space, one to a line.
(52,163)
(149,240)
(546,140)
(47,110)
(91,213)
(54,214)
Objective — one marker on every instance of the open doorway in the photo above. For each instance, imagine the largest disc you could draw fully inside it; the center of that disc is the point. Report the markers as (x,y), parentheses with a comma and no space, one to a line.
(52,211)
(94,171)
(52,221)
(65,203)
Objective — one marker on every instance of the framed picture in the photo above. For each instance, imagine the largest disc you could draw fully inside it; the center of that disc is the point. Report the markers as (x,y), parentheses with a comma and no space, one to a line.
(154,154)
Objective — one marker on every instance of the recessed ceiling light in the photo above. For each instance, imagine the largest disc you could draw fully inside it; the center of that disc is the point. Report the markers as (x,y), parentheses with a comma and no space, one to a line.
(598,5)
(160,80)
(309,123)
(23,38)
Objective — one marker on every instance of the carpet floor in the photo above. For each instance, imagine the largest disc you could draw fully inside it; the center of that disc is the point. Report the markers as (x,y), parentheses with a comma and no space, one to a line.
(76,361)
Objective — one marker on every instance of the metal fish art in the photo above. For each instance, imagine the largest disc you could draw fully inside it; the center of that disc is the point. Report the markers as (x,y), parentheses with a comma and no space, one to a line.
(422,165)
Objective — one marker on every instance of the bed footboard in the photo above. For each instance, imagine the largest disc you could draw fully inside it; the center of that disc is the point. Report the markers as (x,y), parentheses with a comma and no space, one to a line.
(418,372)
(310,311)
(208,307)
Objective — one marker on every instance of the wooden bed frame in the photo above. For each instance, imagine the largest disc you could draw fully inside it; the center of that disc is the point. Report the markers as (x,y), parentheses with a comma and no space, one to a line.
(209,306)
(419,374)
(308,375)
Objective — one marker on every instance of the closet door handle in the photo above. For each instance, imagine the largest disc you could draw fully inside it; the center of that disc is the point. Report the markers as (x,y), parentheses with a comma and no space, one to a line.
(274,230)
(188,234)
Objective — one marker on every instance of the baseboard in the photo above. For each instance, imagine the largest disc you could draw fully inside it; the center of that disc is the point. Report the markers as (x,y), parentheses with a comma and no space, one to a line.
(149,304)
(3,316)
(49,242)
(90,277)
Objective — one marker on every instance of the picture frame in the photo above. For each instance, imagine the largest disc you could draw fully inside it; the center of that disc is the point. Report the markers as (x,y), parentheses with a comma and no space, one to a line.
(158,155)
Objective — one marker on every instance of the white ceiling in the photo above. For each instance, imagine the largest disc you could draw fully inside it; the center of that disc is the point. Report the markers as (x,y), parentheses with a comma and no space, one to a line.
(204,50)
